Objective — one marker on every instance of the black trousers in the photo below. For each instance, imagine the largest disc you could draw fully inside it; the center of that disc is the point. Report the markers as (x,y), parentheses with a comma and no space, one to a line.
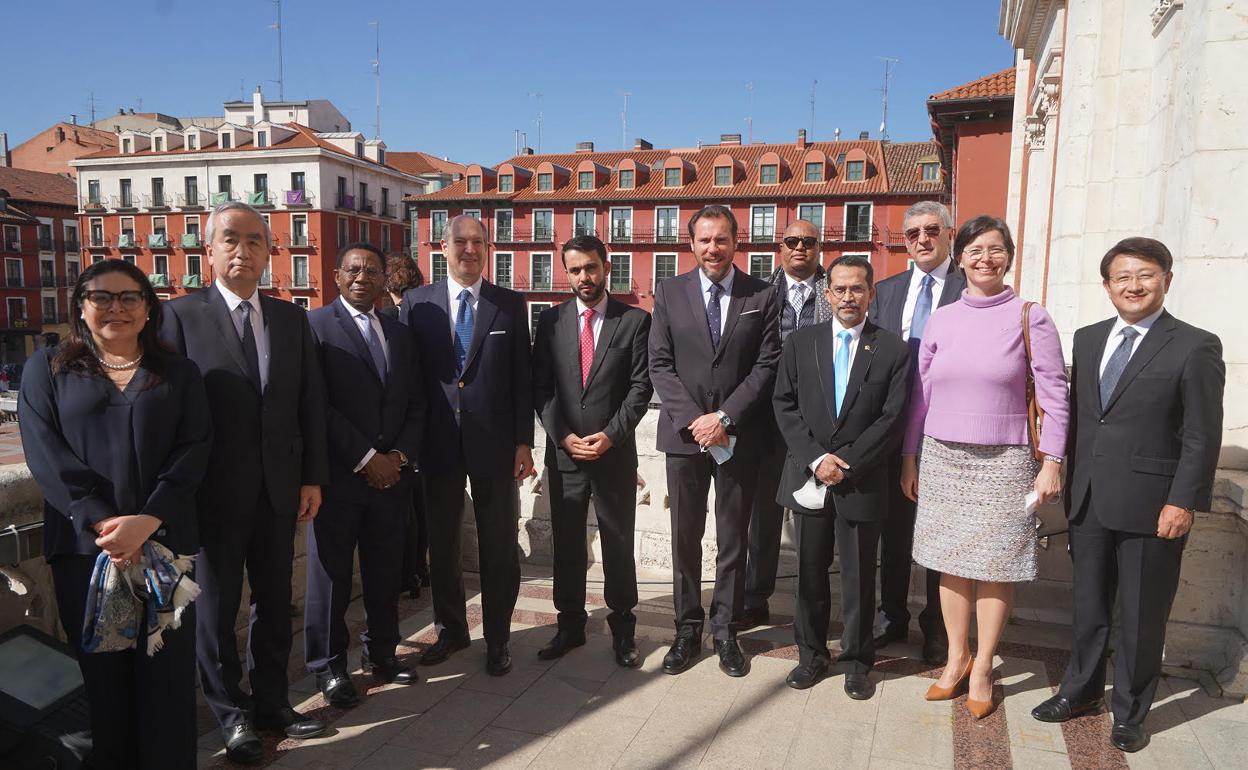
(416,542)
(614,492)
(896,542)
(817,537)
(375,525)
(762,558)
(262,542)
(142,708)
(1142,573)
(688,482)
(496,504)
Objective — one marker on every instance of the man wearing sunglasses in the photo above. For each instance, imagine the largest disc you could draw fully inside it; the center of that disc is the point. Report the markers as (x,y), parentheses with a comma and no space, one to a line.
(902,305)
(800,284)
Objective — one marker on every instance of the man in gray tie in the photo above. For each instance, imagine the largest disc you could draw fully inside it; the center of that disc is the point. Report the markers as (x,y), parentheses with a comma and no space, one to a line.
(1146,398)
(902,305)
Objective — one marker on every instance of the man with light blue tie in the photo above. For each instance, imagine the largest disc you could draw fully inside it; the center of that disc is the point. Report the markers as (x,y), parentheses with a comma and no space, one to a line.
(902,305)
(473,339)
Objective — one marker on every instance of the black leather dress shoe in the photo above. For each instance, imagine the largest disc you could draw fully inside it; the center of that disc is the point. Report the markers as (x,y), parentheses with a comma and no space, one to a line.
(497,659)
(935,649)
(442,649)
(890,634)
(290,723)
(1059,709)
(807,674)
(731,661)
(859,686)
(684,651)
(559,646)
(411,584)
(388,669)
(242,745)
(626,652)
(338,690)
(1128,738)
(753,617)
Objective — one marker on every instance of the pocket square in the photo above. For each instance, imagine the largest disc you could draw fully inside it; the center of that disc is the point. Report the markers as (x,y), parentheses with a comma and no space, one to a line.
(755,310)
(500,331)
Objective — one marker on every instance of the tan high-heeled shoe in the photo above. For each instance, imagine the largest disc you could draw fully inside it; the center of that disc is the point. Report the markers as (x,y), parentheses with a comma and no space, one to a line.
(936,692)
(982,708)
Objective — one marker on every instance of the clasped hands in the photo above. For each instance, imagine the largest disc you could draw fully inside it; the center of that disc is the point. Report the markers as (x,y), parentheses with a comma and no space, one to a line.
(831,470)
(383,470)
(122,537)
(708,431)
(586,448)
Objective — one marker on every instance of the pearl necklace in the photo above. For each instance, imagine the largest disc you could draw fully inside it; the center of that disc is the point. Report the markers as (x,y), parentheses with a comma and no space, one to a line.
(119,367)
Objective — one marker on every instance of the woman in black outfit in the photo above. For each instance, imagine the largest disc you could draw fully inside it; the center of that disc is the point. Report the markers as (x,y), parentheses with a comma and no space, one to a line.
(116,432)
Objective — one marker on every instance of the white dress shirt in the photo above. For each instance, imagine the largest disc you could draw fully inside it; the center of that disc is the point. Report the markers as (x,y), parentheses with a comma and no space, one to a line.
(596,319)
(258,328)
(453,288)
(855,337)
(938,274)
(724,298)
(370,318)
(1115,337)
(790,282)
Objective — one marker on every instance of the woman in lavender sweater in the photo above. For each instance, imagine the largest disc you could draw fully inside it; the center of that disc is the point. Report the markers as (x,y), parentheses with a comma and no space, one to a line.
(968,421)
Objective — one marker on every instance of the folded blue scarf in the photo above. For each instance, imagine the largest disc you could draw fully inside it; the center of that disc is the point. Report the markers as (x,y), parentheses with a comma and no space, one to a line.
(155,590)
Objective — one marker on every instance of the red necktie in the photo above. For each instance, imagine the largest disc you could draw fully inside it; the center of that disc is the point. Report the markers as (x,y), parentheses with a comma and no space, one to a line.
(587,345)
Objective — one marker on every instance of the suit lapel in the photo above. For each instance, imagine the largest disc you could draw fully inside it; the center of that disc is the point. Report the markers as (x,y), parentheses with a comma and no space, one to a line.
(825,350)
(697,307)
(1157,338)
(220,313)
(858,372)
(610,322)
(486,310)
(352,330)
(955,282)
(735,300)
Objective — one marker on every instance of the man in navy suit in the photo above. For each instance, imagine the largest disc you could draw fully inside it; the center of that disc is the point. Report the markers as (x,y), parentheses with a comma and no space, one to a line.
(375,419)
(902,305)
(473,339)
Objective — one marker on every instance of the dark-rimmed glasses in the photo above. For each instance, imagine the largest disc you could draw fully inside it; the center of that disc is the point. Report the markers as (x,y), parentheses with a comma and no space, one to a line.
(103,300)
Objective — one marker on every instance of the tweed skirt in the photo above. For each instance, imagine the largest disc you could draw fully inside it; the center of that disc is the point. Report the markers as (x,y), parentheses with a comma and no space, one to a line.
(972,518)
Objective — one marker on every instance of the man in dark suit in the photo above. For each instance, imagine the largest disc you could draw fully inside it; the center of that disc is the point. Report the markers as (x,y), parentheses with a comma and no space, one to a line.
(902,306)
(1146,395)
(713,347)
(473,339)
(268,463)
(800,284)
(840,395)
(376,422)
(591,388)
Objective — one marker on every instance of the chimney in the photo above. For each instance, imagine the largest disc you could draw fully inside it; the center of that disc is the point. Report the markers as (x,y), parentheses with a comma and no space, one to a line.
(4,150)
(131,110)
(584,146)
(864,135)
(836,135)
(526,150)
(73,119)
(729,139)
(642,144)
(257,106)
(801,137)
(60,134)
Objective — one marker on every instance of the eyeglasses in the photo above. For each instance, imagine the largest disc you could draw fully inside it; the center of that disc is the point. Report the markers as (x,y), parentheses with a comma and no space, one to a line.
(808,241)
(979,252)
(1126,278)
(840,292)
(103,300)
(369,272)
(932,231)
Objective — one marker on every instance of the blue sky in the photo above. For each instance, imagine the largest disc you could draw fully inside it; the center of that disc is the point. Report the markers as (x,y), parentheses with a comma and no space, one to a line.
(458,79)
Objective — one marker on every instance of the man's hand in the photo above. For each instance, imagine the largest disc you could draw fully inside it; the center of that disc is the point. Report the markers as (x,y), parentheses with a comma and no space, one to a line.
(597,444)
(309,501)
(707,430)
(1174,522)
(381,471)
(524,463)
(575,446)
(831,470)
(910,477)
(122,537)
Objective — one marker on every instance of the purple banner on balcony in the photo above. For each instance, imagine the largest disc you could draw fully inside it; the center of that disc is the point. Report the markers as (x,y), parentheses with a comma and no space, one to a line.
(295,198)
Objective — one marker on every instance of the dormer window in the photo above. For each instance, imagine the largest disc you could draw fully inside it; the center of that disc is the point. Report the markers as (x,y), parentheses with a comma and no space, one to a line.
(126,144)
(585,180)
(769,174)
(262,138)
(723,176)
(381,155)
(814,172)
(855,170)
(671,177)
(359,149)
(627,179)
(158,144)
(545,182)
(506,183)
(930,171)
(192,141)
(226,141)
(474,183)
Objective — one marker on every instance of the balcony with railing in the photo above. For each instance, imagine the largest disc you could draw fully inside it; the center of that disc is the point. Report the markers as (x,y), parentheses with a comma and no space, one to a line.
(94,205)
(759,235)
(192,281)
(156,202)
(259,198)
(541,283)
(159,280)
(193,201)
(158,241)
(45,243)
(661,235)
(224,196)
(622,287)
(389,211)
(127,241)
(123,202)
(367,205)
(71,246)
(47,279)
(298,198)
(346,201)
(13,245)
(620,234)
(190,241)
(523,235)
(98,242)
(894,239)
(584,230)
(851,234)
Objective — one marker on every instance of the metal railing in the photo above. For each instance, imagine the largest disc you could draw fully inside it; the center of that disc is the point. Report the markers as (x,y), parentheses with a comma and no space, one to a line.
(367,205)
(195,201)
(153,201)
(346,201)
(297,197)
(543,283)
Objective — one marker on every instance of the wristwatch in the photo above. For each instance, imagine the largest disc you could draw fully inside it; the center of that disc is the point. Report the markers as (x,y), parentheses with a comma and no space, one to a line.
(725,420)
(402,457)
(1053,459)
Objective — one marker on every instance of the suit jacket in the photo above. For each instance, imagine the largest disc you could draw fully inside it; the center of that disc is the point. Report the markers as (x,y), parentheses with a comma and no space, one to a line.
(890,297)
(613,399)
(363,413)
(275,440)
(482,415)
(691,378)
(97,452)
(868,429)
(1157,440)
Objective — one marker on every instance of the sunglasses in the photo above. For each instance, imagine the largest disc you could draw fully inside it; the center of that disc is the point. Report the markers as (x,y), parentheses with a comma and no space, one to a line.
(103,300)
(931,231)
(808,241)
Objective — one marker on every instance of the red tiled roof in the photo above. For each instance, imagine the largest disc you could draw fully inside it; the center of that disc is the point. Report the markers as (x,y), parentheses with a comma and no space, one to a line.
(702,186)
(422,163)
(904,175)
(12,215)
(37,186)
(994,86)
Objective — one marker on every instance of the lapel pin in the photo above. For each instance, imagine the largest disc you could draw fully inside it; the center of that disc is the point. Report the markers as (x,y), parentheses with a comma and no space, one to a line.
(867,348)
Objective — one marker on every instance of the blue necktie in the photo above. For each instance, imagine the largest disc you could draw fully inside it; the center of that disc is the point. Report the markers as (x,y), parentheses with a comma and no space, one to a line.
(922,310)
(464,320)
(1117,364)
(374,346)
(712,314)
(840,368)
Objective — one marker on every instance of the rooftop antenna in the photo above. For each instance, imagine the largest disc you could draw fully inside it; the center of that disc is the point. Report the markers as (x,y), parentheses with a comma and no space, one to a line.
(888,73)
(749,117)
(139,102)
(813,85)
(624,119)
(516,131)
(537,95)
(281,82)
(91,105)
(377,76)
